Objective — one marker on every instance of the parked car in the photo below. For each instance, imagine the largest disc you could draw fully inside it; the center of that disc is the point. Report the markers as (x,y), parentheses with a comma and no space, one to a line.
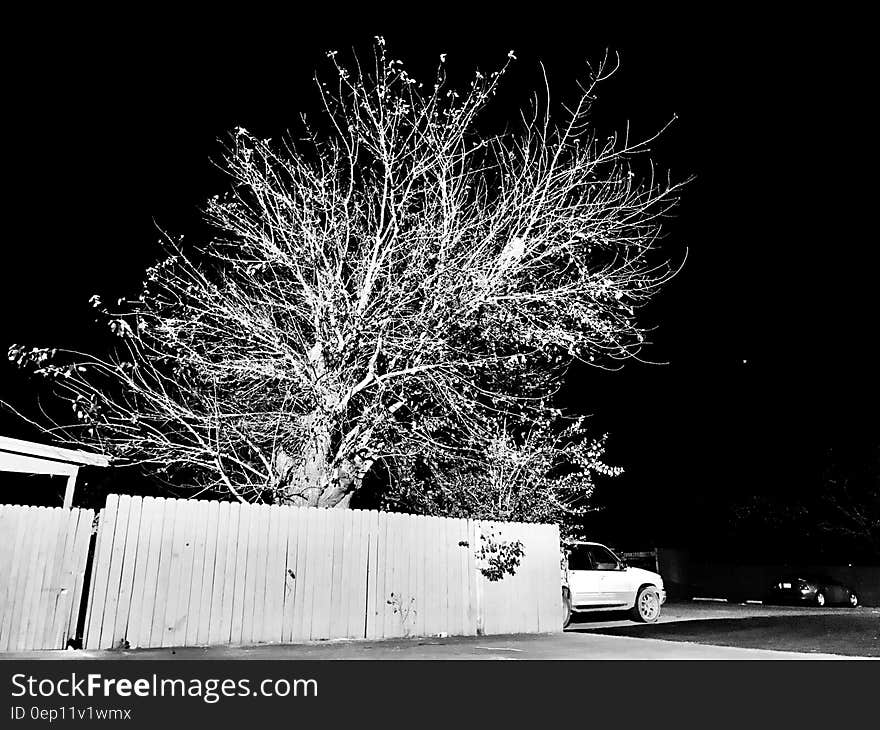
(595,579)
(815,589)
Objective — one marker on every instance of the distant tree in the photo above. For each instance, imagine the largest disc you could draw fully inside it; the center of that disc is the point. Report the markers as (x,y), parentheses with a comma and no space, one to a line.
(836,516)
(848,505)
(391,293)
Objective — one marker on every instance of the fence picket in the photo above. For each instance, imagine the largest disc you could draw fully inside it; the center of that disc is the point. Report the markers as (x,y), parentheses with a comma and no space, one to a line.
(176,626)
(141,634)
(76,573)
(449,530)
(276,578)
(374,576)
(340,530)
(46,550)
(223,589)
(199,617)
(114,571)
(12,529)
(307,542)
(211,633)
(251,572)
(405,604)
(320,568)
(263,559)
(291,573)
(240,570)
(30,555)
(58,592)
(163,570)
(21,541)
(236,548)
(384,573)
(93,577)
(101,572)
(149,512)
(357,587)
(126,578)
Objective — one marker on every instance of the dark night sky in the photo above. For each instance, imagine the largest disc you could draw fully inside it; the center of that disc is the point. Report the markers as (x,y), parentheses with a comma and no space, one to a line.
(110,134)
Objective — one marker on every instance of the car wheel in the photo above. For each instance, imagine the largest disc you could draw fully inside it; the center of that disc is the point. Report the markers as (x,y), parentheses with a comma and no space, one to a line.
(566,607)
(647,607)
(853,599)
(820,599)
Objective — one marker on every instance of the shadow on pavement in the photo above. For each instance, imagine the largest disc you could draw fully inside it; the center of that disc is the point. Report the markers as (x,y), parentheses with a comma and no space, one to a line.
(584,621)
(843,634)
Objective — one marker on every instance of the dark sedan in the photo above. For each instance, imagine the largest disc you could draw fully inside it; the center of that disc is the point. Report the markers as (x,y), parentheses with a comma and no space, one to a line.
(815,589)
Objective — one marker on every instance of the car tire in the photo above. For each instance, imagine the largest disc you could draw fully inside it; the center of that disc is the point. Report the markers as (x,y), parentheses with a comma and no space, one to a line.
(820,599)
(566,608)
(647,606)
(853,599)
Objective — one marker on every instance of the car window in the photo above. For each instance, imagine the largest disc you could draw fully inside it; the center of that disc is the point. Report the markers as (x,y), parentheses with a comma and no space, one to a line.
(814,578)
(602,558)
(579,558)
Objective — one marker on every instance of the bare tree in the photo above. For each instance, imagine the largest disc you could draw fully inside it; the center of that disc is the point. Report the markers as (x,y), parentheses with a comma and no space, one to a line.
(543,474)
(393,291)
(849,503)
(835,514)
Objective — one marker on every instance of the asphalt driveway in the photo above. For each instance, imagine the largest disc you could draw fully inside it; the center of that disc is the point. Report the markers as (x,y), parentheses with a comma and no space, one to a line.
(517,647)
(693,630)
(806,629)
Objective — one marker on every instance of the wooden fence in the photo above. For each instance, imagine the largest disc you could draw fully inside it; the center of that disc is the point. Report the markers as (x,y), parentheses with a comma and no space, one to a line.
(189,573)
(43,555)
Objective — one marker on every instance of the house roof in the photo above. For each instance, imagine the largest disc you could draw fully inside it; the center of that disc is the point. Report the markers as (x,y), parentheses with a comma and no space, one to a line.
(18,455)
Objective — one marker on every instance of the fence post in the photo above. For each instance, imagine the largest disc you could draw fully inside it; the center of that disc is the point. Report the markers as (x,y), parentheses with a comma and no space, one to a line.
(474,533)
(69,488)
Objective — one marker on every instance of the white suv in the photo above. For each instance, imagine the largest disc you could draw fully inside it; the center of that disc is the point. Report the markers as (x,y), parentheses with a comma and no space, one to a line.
(595,579)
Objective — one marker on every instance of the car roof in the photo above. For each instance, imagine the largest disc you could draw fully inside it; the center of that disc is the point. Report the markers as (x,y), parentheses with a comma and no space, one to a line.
(816,577)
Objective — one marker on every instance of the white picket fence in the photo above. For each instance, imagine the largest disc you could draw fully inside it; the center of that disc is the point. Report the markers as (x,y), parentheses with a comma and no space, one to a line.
(192,573)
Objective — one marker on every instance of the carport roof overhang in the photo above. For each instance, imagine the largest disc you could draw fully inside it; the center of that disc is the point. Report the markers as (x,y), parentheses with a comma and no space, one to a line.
(29,457)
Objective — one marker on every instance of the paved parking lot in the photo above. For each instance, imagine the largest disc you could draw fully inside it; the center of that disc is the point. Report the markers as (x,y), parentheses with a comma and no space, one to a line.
(807,629)
(519,647)
(692,630)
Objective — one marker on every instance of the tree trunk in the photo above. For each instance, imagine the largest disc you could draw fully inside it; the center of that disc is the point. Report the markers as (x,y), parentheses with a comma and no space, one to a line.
(346,479)
(313,479)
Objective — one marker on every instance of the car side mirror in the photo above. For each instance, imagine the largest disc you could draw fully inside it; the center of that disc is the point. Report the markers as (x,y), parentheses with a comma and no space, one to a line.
(622,565)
